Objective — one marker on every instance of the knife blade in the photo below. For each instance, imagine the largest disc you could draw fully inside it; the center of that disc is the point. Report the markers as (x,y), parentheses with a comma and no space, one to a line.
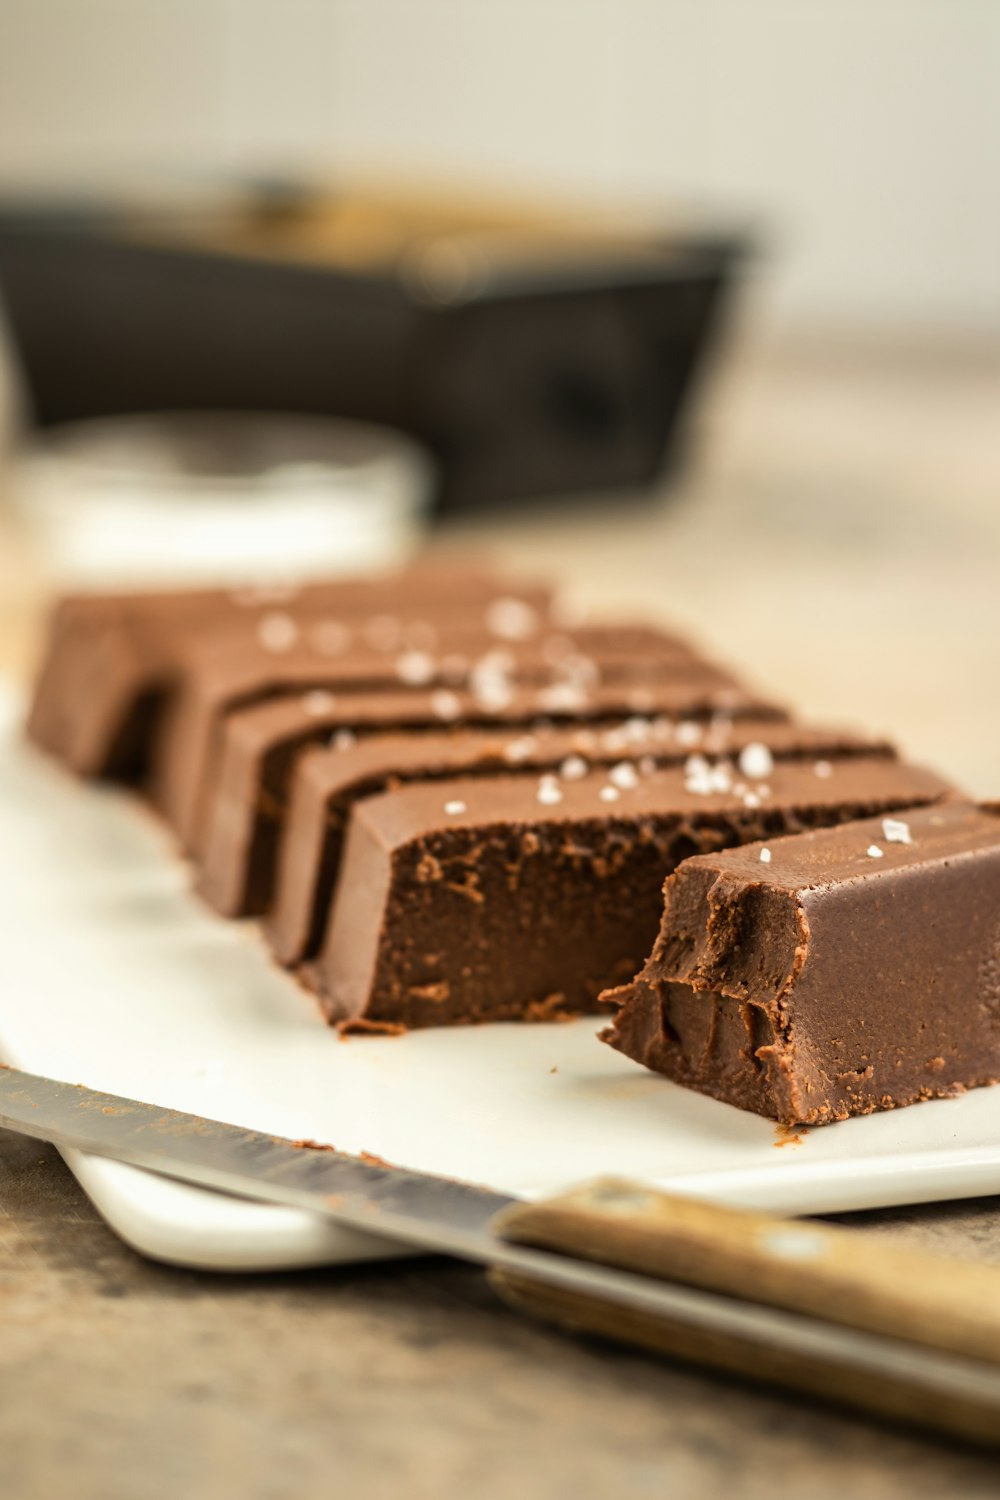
(579,1290)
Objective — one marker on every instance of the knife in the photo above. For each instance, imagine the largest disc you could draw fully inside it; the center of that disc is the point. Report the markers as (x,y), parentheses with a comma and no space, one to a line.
(801,1305)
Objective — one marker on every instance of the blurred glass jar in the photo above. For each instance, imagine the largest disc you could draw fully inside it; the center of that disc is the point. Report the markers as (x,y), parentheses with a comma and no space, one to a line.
(202,497)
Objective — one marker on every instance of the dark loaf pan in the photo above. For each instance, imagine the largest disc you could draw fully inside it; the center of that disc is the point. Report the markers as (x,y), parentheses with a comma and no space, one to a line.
(532,357)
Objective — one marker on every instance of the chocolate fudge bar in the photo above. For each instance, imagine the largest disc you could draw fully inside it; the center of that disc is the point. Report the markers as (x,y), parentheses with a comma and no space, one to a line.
(328,782)
(246,792)
(520,898)
(111,658)
(191,742)
(829,974)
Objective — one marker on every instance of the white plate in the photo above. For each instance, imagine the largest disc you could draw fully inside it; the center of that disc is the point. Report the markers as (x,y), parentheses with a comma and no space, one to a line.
(113,975)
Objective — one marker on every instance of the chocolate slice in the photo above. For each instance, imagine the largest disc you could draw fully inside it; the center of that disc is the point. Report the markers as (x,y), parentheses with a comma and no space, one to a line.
(249,783)
(328,782)
(111,658)
(830,974)
(515,898)
(189,749)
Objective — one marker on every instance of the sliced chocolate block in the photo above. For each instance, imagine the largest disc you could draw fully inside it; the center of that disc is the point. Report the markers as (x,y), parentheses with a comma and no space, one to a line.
(830,974)
(328,782)
(111,658)
(515,898)
(189,747)
(247,789)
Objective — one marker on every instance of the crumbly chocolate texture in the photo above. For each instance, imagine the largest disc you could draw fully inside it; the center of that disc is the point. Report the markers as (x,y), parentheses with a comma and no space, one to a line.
(245,791)
(112,658)
(847,971)
(476,900)
(328,782)
(191,746)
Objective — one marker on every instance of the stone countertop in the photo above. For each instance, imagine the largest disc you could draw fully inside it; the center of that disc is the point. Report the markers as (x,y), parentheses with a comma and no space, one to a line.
(838,538)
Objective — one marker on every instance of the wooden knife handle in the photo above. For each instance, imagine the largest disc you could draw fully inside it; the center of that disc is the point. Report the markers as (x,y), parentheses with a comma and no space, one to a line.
(828,1273)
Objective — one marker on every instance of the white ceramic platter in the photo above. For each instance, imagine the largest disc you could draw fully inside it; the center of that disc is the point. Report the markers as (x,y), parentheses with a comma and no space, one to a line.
(112,974)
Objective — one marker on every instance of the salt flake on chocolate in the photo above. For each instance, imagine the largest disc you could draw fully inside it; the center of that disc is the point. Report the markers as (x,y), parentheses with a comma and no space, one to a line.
(520,749)
(896,831)
(445,704)
(609,794)
(277,631)
(624,776)
(318,703)
(455,808)
(823,769)
(511,619)
(874,852)
(562,697)
(573,768)
(765,856)
(756,760)
(415,667)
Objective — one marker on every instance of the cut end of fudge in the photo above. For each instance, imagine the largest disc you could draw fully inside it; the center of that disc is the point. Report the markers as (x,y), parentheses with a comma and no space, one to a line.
(476,899)
(853,969)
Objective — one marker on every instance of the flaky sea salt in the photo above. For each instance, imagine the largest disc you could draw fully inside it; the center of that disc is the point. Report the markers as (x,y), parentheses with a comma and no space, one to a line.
(562,697)
(756,760)
(703,778)
(823,768)
(624,776)
(896,831)
(490,680)
(317,703)
(765,856)
(874,852)
(492,693)
(688,733)
(343,739)
(453,809)
(609,794)
(445,704)
(573,767)
(579,670)
(415,667)
(519,749)
(511,619)
(549,792)
(277,631)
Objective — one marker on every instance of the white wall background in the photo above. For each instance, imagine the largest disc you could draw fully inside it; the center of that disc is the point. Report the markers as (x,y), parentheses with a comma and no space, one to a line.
(864,135)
